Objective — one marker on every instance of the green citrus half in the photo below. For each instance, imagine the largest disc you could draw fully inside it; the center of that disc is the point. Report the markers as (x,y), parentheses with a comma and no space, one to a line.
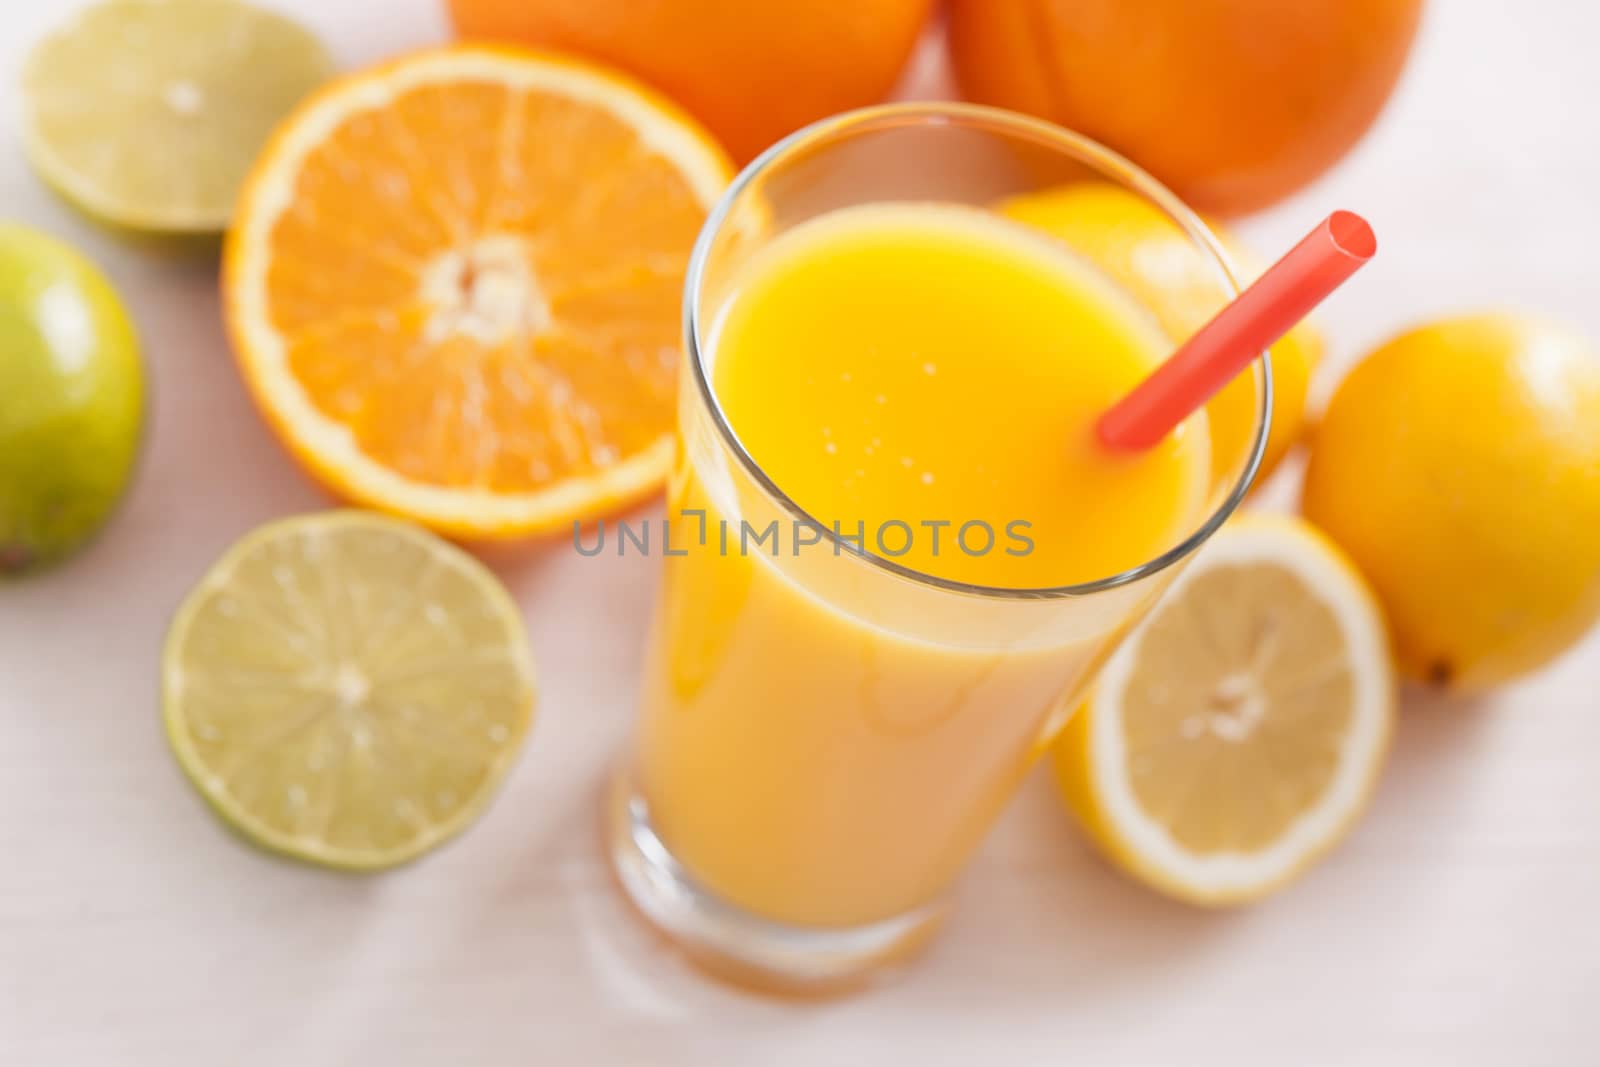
(148,113)
(347,689)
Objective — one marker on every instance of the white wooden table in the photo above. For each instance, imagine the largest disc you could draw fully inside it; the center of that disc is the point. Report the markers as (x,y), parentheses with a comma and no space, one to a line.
(1460,924)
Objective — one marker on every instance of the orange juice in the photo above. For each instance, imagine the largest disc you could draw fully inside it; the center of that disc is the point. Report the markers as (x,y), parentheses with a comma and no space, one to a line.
(824,741)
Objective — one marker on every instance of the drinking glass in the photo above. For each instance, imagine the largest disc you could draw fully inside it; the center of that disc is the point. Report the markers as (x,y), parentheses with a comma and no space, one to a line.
(826,735)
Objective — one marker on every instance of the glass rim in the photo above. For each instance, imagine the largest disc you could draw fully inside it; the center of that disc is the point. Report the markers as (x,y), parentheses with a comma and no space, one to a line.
(1040,131)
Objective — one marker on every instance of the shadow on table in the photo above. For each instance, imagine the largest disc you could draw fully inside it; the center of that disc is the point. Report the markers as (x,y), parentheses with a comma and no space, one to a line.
(1042,906)
(1040,919)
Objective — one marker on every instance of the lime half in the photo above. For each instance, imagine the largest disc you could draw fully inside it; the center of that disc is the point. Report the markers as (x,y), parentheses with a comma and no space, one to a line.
(347,689)
(148,113)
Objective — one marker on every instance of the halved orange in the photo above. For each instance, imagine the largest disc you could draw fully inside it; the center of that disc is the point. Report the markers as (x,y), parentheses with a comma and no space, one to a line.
(453,286)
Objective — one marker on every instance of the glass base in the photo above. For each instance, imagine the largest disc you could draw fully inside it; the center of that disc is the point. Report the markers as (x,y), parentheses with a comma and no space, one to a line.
(732,943)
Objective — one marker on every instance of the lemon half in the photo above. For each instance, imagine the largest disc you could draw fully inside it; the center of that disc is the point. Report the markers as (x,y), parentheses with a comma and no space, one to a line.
(1237,733)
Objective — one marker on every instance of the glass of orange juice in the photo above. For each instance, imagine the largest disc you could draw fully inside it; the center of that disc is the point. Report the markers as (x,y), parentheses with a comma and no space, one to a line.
(894,553)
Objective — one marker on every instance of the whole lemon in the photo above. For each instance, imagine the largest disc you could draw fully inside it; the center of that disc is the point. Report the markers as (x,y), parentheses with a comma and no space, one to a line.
(1146,253)
(71,400)
(1459,464)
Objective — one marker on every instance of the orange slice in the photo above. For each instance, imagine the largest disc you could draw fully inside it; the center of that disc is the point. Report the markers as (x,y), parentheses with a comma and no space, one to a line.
(453,286)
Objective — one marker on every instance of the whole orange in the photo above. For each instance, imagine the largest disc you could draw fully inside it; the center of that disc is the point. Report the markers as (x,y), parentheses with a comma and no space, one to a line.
(751,71)
(1233,103)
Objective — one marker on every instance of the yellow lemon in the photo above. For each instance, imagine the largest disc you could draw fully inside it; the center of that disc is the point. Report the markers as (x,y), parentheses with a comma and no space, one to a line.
(1146,252)
(1459,464)
(1235,736)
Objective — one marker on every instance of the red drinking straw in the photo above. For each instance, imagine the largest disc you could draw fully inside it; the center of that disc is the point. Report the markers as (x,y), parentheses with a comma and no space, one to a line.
(1240,332)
